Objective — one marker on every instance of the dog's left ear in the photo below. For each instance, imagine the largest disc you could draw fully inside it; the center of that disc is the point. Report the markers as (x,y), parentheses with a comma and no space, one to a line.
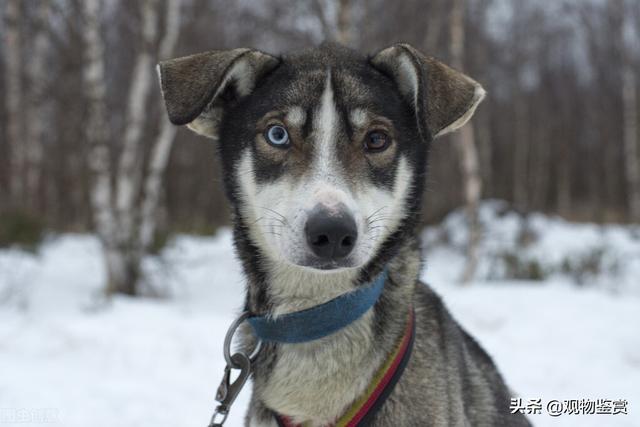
(443,98)
(197,88)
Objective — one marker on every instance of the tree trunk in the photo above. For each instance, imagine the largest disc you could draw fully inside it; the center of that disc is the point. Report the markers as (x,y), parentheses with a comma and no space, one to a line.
(483,118)
(468,152)
(630,132)
(485,150)
(130,165)
(124,254)
(434,23)
(343,30)
(520,151)
(563,195)
(164,141)
(38,109)
(14,101)
(123,271)
(98,140)
(620,22)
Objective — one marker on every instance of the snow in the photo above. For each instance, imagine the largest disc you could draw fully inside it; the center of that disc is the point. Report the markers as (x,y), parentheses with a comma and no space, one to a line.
(608,254)
(68,357)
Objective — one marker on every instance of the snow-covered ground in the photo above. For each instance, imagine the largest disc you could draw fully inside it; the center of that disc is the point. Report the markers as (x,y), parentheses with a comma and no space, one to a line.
(68,358)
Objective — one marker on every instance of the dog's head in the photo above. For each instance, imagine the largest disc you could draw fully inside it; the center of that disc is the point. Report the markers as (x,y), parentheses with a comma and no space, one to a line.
(323,151)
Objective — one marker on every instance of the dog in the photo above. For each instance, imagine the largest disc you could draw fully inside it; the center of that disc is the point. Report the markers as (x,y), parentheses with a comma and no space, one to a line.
(324,155)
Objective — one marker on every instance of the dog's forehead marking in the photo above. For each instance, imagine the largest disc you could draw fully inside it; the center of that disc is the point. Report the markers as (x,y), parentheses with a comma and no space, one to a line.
(325,127)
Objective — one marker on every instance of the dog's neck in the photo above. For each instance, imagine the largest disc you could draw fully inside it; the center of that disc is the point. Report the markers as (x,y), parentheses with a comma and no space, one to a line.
(317,381)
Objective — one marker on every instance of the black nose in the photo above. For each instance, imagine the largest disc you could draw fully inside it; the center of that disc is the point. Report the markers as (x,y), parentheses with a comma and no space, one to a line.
(331,234)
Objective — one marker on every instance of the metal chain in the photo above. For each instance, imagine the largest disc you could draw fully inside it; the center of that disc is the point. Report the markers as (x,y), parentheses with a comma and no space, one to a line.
(228,391)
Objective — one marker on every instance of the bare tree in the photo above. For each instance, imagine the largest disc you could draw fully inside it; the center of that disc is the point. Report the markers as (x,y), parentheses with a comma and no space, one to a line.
(164,140)
(14,99)
(130,165)
(38,107)
(433,25)
(520,131)
(465,142)
(343,31)
(629,94)
(319,11)
(336,27)
(97,137)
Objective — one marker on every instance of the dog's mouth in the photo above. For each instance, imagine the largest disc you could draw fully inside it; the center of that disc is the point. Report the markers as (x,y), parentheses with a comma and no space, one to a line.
(326,265)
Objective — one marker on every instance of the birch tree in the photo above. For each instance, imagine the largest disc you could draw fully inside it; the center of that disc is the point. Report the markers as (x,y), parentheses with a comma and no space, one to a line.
(164,140)
(126,260)
(129,171)
(466,146)
(124,218)
(97,137)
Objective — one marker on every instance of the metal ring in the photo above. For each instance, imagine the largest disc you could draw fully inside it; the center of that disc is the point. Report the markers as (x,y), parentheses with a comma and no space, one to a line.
(229,337)
(220,410)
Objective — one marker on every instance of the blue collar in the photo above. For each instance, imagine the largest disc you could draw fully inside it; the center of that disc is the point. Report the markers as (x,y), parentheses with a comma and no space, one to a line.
(321,320)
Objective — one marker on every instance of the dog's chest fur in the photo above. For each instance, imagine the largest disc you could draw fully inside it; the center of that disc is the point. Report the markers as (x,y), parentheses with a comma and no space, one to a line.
(317,381)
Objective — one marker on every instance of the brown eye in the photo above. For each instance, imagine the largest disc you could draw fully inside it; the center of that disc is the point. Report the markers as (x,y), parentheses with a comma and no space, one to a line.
(377,141)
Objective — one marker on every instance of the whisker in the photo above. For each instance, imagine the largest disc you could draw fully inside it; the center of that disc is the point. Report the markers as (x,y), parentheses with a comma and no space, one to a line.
(384,207)
(273,211)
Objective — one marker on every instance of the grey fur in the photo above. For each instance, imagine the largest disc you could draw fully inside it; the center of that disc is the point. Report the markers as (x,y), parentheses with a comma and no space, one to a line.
(449,380)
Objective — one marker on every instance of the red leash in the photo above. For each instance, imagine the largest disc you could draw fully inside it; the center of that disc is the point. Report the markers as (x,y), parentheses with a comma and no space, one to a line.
(363,410)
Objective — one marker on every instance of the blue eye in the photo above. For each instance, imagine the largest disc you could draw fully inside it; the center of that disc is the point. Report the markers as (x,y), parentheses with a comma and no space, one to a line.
(277,136)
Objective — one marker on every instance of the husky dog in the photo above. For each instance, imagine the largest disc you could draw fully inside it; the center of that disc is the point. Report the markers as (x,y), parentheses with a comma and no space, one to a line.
(324,155)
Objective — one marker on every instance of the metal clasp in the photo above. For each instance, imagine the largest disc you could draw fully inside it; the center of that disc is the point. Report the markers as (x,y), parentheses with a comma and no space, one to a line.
(227,390)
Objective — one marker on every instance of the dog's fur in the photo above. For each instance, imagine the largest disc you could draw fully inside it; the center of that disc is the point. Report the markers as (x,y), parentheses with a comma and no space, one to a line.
(328,98)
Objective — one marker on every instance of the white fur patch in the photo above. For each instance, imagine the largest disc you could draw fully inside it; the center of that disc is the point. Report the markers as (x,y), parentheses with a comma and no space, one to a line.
(358,117)
(243,75)
(159,73)
(206,124)
(296,116)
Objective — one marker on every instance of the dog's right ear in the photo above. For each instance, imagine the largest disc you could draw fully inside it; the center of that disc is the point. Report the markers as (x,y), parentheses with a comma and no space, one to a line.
(196,88)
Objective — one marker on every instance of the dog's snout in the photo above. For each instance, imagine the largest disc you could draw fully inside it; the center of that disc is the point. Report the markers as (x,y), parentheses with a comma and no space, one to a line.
(331,233)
